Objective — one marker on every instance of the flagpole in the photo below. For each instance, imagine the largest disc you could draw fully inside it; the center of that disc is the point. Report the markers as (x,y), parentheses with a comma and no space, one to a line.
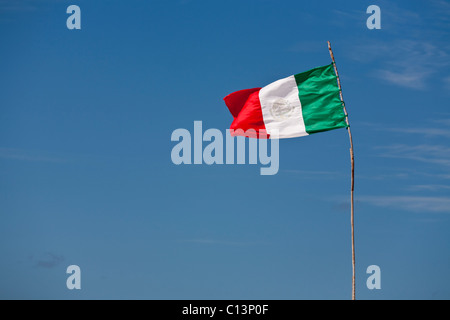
(352,158)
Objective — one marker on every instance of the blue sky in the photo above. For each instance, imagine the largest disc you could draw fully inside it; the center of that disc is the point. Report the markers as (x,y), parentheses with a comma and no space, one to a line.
(86,176)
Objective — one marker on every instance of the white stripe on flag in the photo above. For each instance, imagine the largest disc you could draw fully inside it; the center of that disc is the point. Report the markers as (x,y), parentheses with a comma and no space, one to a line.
(282,109)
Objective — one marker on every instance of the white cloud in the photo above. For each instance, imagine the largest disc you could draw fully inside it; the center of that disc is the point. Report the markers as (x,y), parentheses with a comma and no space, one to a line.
(389,176)
(422,131)
(409,78)
(443,118)
(411,63)
(436,154)
(409,203)
(443,176)
(406,63)
(429,187)
(415,49)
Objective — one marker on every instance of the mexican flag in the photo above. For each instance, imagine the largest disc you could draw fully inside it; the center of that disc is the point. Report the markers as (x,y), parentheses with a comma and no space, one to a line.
(295,106)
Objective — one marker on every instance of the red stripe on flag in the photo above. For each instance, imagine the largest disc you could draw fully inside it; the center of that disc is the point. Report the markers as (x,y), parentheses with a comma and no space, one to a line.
(245,107)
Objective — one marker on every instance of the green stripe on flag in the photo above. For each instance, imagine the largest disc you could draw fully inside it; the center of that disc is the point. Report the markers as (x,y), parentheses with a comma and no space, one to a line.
(319,96)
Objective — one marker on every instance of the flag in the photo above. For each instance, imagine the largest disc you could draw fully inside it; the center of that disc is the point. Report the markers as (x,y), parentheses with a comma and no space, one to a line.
(295,106)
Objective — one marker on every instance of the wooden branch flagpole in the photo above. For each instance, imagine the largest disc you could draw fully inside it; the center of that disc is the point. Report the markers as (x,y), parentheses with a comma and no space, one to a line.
(352,157)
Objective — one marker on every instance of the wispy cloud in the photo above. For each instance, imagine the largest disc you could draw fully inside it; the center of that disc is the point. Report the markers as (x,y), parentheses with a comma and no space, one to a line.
(395,18)
(415,49)
(312,173)
(443,176)
(220,242)
(407,63)
(49,260)
(409,172)
(432,130)
(24,155)
(307,46)
(390,176)
(17,5)
(24,6)
(442,7)
(429,187)
(447,83)
(443,118)
(343,206)
(342,18)
(409,203)
(436,154)
(423,131)
(407,77)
